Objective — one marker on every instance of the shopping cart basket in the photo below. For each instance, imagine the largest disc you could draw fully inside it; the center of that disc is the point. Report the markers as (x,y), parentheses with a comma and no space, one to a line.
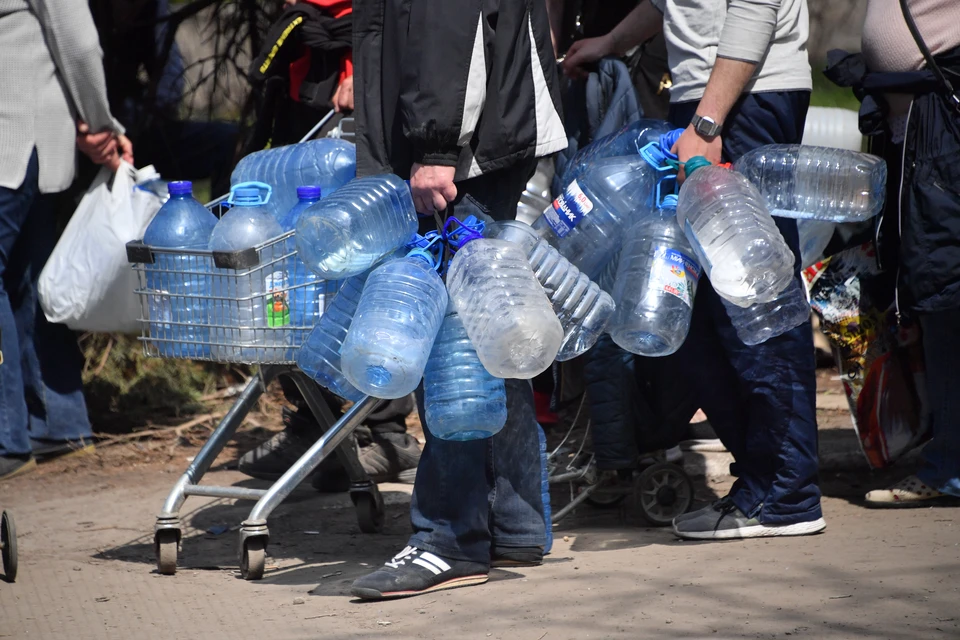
(186,298)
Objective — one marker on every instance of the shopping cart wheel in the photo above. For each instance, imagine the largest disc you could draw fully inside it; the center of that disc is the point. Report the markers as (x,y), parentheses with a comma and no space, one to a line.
(663,491)
(254,558)
(8,546)
(165,543)
(369,507)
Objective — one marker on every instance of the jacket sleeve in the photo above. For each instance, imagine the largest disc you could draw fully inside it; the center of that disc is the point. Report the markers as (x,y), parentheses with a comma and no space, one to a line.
(74,45)
(444,82)
(748,29)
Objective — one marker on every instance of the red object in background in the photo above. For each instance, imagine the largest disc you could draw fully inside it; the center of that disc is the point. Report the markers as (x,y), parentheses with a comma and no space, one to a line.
(300,67)
(541,402)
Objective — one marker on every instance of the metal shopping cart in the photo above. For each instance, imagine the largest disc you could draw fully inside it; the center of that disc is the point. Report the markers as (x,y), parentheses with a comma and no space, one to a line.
(244,285)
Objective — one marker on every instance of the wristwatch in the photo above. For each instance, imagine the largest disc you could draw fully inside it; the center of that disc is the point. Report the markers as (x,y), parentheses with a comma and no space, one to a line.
(706,126)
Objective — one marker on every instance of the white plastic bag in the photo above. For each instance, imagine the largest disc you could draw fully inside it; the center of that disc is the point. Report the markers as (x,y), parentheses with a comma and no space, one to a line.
(87,283)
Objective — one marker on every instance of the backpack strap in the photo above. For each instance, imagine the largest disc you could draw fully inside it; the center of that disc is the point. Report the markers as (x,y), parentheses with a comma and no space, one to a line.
(928,56)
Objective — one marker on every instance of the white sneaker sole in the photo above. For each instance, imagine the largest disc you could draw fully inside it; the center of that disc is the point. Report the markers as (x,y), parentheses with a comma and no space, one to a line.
(705,446)
(756,531)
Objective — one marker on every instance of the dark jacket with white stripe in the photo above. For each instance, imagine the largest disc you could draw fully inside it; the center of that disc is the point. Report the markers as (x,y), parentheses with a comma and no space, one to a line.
(465,83)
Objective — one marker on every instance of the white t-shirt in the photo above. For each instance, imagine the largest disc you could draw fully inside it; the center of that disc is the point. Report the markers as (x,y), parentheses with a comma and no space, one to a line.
(772,33)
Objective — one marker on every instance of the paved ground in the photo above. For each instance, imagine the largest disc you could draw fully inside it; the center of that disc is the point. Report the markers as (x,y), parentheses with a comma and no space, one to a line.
(87,570)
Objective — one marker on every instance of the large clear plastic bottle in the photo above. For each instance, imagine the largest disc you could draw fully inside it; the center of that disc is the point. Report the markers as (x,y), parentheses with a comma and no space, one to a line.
(308,292)
(393,331)
(248,300)
(734,237)
(582,307)
(504,309)
(319,355)
(655,285)
(347,232)
(801,181)
(327,162)
(179,309)
(462,400)
(586,222)
(760,322)
(626,142)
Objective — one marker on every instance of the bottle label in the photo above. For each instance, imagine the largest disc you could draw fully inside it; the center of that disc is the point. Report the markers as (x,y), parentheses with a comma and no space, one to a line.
(675,273)
(568,209)
(278,307)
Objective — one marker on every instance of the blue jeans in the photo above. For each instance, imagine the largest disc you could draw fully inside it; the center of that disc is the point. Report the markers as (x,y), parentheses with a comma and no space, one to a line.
(761,400)
(941,346)
(472,497)
(41,391)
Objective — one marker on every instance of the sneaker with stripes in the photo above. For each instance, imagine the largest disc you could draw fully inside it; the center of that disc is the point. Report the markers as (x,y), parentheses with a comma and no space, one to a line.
(414,571)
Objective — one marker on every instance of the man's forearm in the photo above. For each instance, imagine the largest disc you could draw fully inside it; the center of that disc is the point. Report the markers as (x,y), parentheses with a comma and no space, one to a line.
(555,17)
(641,24)
(727,81)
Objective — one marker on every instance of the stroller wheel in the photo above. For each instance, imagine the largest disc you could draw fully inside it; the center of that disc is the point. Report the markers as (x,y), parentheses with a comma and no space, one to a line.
(663,492)
(8,546)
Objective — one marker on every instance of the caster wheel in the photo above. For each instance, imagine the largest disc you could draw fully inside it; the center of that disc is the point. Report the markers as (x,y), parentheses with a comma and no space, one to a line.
(8,546)
(165,543)
(369,509)
(254,558)
(664,491)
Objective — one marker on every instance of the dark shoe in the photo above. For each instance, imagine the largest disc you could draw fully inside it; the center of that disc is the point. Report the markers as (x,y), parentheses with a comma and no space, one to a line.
(272,458)
(414,571)
(700,436)
(391,457)
(517,557)
(12,466)
(724,521)
(44,450)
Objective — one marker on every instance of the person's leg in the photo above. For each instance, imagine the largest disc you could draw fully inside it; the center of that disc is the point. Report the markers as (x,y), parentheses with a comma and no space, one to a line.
(15,449)
(50,356)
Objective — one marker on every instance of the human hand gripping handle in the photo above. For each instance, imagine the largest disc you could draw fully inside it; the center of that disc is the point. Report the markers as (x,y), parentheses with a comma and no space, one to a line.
(432,187)
(105,147)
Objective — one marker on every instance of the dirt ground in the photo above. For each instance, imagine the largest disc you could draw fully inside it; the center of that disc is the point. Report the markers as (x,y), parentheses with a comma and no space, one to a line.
(87,567)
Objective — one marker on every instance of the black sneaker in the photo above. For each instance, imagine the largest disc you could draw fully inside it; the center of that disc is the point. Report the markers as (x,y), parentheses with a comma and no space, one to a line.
(700,436)
(517,557)
(391,457)
(272,458)
(12,466)
(414,571)
(44,450)
(724,521)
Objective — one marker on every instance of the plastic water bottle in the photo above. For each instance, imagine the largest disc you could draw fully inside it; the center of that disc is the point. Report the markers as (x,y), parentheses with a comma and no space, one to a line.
(815,235)
(760,322)
(586,222)
(347,232)
(798,181)
(462,400)
(503,307)
(655,286)
(307,290)
(327,162)
(582,307)
(626,142)
(319,355)
(733,236)
(248,301)
(179,309)
(545,491)
(393,331)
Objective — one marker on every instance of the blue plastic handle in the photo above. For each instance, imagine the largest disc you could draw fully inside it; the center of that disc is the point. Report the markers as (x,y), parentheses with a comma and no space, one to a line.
(255,185)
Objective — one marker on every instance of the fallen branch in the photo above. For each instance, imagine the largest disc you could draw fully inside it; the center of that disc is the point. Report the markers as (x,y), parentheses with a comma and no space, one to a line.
(177,430)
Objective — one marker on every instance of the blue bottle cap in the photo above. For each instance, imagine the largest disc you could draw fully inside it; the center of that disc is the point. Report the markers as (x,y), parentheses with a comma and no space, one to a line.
(180,188)
(246,196)
(308,192)
(669,201)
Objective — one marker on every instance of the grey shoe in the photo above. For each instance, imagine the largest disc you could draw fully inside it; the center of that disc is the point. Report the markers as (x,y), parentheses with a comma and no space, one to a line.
(272,458)
(724,521)
(690,515)
(391,457)
(12,466)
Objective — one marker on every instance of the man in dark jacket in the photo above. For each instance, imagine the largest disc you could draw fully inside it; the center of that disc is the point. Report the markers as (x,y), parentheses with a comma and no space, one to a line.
(461,97)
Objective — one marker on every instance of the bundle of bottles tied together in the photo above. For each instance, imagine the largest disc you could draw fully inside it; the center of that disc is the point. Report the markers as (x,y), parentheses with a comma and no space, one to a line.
(621,251)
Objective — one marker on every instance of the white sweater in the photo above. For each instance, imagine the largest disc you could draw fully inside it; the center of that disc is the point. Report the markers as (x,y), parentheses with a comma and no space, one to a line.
(51,74)
(772,33)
